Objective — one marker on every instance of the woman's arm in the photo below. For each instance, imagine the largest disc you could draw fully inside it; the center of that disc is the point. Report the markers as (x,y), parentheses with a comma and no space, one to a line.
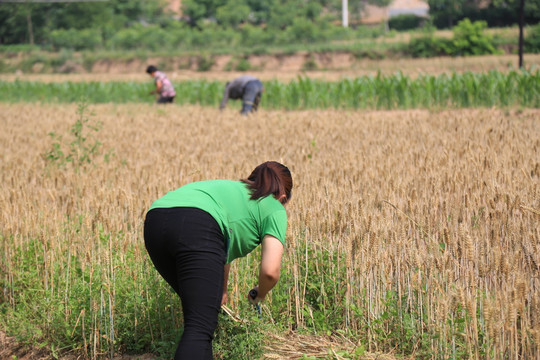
(159,85)
(272,251)
(225,283)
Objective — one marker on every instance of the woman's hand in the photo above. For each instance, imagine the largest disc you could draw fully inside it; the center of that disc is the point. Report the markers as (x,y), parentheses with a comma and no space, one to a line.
(257,299)
(224,298)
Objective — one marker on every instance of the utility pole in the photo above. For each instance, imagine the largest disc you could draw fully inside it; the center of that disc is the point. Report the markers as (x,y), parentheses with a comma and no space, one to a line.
(521,24)
(345,12)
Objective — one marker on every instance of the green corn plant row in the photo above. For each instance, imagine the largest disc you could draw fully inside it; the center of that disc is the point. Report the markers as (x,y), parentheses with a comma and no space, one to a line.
(398,91)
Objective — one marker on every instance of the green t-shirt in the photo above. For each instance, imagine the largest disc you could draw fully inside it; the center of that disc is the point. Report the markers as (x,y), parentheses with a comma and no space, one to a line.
(244,222)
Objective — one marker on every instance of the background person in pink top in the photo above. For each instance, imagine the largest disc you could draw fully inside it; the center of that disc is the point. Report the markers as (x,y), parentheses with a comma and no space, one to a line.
(164,88)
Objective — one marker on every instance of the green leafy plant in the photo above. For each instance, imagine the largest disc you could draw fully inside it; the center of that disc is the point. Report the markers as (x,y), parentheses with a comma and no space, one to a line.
(405,22)
(83,146)
(243,64)
(427,46)
(238,340)
(309,64)
(205,63)
(532,40)
(470,39)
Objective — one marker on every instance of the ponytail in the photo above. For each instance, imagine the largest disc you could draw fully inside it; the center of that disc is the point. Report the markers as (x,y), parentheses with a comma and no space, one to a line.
(270,178)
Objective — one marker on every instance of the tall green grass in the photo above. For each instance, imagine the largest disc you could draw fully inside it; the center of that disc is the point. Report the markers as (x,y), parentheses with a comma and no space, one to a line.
(515,88)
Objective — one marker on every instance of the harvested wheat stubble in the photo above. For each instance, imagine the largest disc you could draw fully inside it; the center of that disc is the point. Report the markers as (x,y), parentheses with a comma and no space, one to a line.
(435,214)
(292,346)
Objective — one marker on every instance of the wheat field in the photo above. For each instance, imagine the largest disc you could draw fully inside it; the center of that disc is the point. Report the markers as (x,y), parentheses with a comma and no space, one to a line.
(413,232)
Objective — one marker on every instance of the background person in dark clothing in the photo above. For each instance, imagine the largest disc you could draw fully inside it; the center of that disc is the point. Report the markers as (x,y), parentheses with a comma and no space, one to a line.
(163,85)
(246,87)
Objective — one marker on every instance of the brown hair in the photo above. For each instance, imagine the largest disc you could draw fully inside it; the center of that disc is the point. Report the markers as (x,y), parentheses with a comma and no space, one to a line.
(270,178)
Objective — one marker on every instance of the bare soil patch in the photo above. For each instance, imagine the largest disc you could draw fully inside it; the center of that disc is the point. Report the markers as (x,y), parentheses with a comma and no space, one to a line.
(10,348)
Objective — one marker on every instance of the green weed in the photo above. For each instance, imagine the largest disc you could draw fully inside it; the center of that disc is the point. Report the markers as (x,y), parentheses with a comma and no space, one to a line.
(82,146)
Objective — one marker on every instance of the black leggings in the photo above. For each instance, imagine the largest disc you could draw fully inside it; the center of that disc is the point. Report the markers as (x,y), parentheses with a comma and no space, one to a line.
(187,248)
(165,99)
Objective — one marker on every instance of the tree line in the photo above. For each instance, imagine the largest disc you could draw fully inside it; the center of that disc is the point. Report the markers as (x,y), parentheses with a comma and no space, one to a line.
(121,24)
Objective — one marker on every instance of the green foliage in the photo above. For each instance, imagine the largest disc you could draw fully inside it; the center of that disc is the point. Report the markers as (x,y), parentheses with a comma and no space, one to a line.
(205,63)
(140,24)
(405,22)
(198,10)
(470,39)
(323,308)
(83,146)
(497,13)
(372,54)
(282,14)
(407,333)
(239,340)
(59,313)
(313,10)
(243,64)
(429,46)
(142,37)
(446,12)
(233,13)
(309,64)
(302,30)
(532,40)
(76,39)
(398,91)
(106,17)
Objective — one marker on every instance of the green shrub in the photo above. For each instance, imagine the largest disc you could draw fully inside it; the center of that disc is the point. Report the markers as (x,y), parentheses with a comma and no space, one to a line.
(369,53)
(302,30)
(42,61)
(205,63)
(243,64)
(82,146)
(428,46)
(470,39)
(124,39)
(255,36)
(233,13)
(309,64)
(405,22)
(239,340)
(76,39)
(532,40)
(142,37)
(155,38)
